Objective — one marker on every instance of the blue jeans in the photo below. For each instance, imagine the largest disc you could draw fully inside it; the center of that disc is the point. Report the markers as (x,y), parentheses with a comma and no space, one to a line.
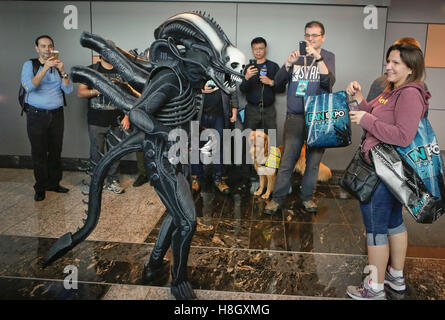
(382,216)
(294,137)
(217,123)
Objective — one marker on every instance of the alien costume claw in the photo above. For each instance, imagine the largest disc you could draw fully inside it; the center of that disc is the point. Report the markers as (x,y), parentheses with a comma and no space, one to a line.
(190,49)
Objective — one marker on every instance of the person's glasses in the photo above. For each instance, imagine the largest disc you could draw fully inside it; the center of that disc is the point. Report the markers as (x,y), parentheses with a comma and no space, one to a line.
(307,36)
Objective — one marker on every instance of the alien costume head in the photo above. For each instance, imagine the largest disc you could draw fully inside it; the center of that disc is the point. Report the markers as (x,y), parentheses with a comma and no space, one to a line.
(207,46)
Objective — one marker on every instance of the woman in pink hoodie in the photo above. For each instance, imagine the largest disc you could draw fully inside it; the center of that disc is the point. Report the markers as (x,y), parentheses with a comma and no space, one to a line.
(393,117)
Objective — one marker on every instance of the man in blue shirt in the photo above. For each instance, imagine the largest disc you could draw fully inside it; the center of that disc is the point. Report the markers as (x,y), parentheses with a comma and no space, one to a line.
(44,109)
(310,74)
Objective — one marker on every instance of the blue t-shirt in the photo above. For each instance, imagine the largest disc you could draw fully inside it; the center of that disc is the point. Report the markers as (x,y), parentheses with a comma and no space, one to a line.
(48,94)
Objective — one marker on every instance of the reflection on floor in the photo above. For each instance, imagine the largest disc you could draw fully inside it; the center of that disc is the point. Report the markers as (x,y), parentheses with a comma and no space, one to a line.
(237,251)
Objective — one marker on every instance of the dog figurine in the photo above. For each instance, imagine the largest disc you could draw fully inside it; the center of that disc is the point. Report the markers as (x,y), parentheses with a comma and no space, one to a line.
(260,151)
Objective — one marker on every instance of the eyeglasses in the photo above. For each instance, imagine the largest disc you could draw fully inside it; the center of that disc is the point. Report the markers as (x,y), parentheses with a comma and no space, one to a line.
(307,36)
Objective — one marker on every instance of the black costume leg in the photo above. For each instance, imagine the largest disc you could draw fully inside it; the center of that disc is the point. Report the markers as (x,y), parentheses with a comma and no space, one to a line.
(178,228)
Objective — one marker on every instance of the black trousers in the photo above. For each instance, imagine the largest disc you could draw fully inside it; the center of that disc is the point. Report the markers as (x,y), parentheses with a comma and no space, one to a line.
(260,118)
(45,132)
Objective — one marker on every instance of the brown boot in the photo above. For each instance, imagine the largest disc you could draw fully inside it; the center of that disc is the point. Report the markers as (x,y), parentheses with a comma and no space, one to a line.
(272,207)
(310,206)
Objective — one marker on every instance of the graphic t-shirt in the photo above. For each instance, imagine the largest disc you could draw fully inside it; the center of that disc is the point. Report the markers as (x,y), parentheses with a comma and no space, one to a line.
(316,83)
(300,72)
(101,111)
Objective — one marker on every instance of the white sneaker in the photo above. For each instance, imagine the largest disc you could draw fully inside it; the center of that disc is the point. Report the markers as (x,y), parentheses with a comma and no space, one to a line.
(396,283)
(115,187)
(365,292)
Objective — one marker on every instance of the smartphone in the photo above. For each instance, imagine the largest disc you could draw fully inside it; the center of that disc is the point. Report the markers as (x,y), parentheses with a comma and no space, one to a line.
(252,62)
(55,54)
(302,48)
(211,84)
(353,105)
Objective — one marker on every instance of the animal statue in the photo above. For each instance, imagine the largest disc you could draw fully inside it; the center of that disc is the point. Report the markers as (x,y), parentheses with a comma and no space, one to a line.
(189,49)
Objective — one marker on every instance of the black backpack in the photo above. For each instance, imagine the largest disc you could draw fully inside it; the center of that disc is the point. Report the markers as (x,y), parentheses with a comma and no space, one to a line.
(22,91)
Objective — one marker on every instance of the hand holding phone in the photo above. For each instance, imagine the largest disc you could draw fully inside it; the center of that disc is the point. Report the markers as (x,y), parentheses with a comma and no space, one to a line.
(54,54)
(353,105)
(251,71)
(302,48)
(211,84)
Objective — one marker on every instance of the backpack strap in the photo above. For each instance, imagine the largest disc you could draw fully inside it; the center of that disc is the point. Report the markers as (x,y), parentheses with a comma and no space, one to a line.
(35,65)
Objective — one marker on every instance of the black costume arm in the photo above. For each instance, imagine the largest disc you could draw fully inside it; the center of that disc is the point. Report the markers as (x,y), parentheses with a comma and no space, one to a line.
(132,73)
(94,79)
(162,88)
(143,63)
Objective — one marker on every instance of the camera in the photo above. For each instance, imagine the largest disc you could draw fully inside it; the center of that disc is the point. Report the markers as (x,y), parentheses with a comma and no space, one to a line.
(302,49)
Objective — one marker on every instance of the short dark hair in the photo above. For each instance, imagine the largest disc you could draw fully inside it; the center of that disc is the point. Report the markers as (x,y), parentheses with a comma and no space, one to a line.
(258,40)
(41,37)
(311,24)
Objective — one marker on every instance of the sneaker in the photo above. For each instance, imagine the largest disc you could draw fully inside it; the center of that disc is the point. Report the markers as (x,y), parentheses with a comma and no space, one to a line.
(140,180)
(365,292)
(115,187)
(310,206)
(222,186)
(396,283)
(271,207)
(195,184)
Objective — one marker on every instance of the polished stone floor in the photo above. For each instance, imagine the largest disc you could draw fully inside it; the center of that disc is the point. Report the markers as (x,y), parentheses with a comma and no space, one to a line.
(237,251)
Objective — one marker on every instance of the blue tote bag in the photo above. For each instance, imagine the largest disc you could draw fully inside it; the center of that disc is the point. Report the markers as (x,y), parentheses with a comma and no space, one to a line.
(414,174)
(327,120)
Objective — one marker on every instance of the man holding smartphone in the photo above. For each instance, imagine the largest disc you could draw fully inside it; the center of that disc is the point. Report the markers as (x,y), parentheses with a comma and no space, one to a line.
(44,103)
(259,88)
(311,73)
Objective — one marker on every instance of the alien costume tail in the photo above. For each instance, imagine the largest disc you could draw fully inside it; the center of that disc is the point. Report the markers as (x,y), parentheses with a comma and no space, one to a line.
(68,241)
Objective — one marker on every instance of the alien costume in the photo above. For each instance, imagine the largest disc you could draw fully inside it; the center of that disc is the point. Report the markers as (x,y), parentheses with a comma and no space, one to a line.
(190,48)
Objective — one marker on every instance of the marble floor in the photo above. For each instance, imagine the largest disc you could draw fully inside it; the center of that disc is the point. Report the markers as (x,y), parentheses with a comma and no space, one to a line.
(237,251)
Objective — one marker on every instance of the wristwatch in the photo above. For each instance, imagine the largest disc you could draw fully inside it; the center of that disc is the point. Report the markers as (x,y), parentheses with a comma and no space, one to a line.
(64,75)
(318,60)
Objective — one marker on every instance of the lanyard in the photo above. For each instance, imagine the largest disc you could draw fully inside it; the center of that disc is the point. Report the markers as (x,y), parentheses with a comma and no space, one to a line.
(306,70)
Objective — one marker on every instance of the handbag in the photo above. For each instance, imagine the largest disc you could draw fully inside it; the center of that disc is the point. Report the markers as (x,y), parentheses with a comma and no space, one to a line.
(327,120)
(360,178)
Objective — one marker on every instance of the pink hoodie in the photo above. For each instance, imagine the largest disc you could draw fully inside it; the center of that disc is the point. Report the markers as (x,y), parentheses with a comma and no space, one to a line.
(394,116)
